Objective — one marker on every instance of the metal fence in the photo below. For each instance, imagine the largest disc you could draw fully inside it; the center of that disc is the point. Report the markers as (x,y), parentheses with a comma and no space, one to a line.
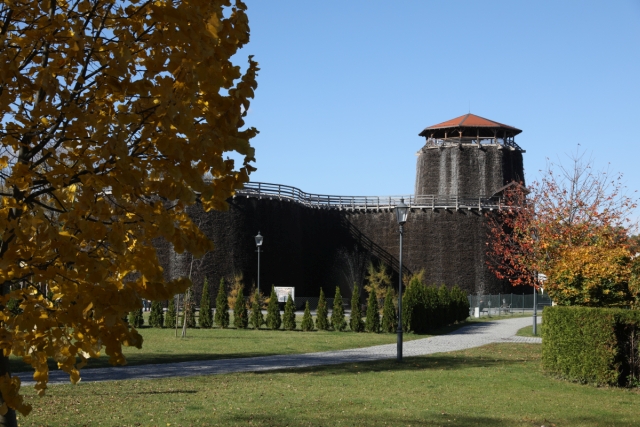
(508,303)
(488,304)
(429,201)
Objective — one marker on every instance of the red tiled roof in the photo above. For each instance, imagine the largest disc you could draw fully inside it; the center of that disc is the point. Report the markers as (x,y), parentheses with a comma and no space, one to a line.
(467,122)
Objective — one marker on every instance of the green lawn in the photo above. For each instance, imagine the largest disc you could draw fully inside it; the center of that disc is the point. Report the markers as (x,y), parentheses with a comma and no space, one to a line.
(528,331)
(162,346)
(499,385)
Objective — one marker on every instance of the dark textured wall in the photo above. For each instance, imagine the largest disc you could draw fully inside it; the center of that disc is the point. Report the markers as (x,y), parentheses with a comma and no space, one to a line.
(311,248)
(468,170)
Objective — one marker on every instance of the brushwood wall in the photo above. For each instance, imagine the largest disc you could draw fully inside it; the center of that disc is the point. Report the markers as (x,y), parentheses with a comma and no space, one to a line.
(467,169)
(310,248)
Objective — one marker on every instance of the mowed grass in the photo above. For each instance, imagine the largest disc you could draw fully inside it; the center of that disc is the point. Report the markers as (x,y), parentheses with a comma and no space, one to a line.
(162,346)
(528,331)
(499,385)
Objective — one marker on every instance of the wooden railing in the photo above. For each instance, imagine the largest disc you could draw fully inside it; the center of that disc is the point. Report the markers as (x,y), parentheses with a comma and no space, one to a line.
(263,190)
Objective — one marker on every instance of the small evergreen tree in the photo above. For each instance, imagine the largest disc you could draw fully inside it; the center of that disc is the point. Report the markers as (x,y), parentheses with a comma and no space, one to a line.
(414,313)
(356,323)
(432,309)
(206,319)
(338,321)
(372,323)
(135,318)
(156,315)
(446,308)
(273,311)
(170,321)
(257,319)
(237,287)
(322,322)
(461,303)
(307,320)
(222,306)
(240,318)
(389,315)
(191,313)
(289,318)
(378,279)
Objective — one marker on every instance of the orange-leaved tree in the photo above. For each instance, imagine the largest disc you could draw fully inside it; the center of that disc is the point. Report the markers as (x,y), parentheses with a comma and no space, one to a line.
(112,113)
(574,227)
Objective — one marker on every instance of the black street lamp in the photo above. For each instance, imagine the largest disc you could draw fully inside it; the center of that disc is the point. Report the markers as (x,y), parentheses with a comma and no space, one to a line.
(535,291)
(259,240)
(535,304)
(402,211)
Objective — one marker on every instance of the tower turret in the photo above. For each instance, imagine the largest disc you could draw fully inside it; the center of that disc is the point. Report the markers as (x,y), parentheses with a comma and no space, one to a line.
(468,156)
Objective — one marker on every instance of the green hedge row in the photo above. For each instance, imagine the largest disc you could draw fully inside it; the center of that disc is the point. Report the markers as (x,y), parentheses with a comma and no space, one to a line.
(426,308)
(592,345)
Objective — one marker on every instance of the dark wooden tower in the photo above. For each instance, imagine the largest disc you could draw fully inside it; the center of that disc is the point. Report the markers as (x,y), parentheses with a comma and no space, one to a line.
(468,156)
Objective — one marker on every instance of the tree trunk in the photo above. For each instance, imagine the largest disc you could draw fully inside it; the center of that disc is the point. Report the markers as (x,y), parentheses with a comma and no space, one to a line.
(9,419)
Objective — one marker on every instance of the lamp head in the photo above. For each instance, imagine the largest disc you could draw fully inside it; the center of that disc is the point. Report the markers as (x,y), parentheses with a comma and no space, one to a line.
(259,239)
(402,211)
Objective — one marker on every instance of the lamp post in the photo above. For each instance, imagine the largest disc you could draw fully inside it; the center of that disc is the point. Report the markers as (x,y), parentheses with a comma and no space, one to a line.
(535,304)
(259,240)
(402,211)
(535,291)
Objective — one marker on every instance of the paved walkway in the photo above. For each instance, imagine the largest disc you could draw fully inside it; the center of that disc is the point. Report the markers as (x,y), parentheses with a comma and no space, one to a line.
(474,335)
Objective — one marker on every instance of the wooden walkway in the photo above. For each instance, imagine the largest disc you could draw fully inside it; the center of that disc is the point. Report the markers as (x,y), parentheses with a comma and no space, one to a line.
(262,190)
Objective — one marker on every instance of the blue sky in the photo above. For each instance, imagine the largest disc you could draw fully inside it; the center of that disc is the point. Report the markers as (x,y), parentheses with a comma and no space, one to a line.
(346,86)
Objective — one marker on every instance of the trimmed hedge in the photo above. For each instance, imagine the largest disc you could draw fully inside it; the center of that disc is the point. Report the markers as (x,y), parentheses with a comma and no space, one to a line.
(425,308)
(592,345)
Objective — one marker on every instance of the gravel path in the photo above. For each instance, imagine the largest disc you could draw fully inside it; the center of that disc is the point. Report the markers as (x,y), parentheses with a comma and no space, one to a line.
(474,335)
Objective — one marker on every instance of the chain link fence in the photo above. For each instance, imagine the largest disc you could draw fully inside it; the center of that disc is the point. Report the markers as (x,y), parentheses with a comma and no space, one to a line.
(488,304)
(506,303)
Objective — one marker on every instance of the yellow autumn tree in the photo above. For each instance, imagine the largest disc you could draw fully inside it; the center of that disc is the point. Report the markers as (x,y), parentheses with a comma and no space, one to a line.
(112,115)
(593,275)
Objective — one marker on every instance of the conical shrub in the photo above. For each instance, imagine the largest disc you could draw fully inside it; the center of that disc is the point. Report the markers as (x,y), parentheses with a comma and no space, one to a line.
(356,323)
(289,317)
(322,322)
(190,308)
(170,320)
(338,321)
(156,315)
(205,320)
(222,306)
(257,319)
(240,318)
(274,320)
(307,320)
(446,307)
(372,323)
(389,315)
(413,308)
(135,318)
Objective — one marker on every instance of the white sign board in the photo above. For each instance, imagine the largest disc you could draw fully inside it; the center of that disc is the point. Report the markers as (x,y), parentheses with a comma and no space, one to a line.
(283,293)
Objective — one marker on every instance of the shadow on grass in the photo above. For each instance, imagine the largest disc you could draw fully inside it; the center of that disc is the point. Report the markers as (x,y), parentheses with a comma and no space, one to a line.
(133,360)
(420,363)
(165,392)
(438,419)
(131,392)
